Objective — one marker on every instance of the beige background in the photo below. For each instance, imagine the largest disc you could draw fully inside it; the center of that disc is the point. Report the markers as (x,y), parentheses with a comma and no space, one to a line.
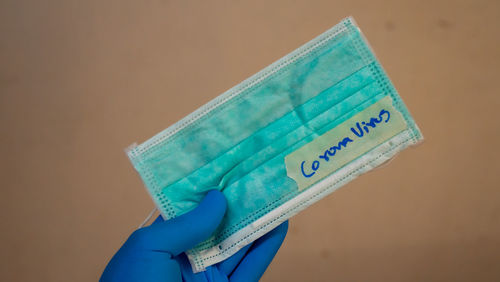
(82,80)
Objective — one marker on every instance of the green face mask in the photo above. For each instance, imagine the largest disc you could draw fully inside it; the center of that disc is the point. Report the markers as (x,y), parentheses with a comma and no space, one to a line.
(279,141)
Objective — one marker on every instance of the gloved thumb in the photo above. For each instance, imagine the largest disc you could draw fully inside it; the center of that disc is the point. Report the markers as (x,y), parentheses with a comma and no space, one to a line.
(182,233)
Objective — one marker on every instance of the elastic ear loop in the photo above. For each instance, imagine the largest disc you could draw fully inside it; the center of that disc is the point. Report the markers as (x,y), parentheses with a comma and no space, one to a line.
(148,218)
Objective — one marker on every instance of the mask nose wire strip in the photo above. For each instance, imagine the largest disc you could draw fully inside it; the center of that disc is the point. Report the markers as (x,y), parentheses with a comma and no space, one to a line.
(148,218)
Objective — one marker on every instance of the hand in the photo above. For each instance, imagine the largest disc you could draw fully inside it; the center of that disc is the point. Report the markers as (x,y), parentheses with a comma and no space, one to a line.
(156,252)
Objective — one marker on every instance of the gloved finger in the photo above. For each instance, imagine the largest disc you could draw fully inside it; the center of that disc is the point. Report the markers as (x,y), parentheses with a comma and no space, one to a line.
(211,273)
(227,266)
(260,255)
(159,219)
(184,232)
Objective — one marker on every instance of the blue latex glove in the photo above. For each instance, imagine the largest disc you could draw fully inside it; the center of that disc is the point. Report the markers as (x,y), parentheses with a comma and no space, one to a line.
(156,252)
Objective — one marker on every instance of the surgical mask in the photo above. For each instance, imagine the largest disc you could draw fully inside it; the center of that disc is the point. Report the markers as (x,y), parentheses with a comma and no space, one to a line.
(279,141)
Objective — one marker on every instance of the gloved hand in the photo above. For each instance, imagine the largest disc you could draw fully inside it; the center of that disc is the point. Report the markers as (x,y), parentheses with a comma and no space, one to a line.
(156,252)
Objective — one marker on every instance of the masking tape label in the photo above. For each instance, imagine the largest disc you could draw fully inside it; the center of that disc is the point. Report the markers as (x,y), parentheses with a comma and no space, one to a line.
(344,143)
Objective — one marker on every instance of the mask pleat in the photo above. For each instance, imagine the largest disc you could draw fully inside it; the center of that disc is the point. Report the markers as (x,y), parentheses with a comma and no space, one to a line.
(238,142)
(235,122)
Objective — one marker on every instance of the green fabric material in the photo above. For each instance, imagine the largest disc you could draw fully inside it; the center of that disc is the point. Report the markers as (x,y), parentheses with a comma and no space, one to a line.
(240,146)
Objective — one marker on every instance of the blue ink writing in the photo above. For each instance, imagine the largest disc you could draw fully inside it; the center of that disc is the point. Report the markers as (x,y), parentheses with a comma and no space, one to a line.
(359,130)
(333,150)
(302,169)
(314,167)
(373,123)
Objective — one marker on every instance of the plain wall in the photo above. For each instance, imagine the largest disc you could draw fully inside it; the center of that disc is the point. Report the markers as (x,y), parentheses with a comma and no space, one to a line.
(82,80)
